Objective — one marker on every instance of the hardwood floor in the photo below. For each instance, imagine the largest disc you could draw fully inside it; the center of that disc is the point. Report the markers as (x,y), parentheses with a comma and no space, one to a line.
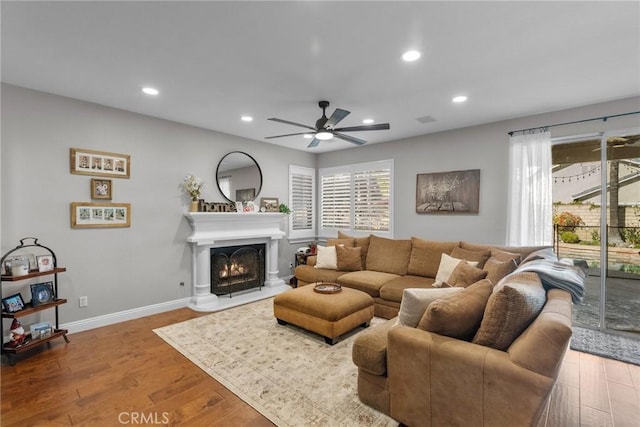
(125,374)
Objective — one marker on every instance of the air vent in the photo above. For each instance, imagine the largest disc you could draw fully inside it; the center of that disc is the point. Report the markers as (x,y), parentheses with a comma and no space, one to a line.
(426,119)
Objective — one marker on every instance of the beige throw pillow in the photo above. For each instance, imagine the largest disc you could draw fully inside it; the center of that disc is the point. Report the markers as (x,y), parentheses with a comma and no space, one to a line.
(497,269)
(480,256)
(465,274)
(344,242)
(416,300)
(458,315)
(513,305)
(446,267)
(349,259)
(326,258)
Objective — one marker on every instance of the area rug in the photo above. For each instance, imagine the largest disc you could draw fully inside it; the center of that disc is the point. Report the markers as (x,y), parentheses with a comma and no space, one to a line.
(606,345)
(290,376)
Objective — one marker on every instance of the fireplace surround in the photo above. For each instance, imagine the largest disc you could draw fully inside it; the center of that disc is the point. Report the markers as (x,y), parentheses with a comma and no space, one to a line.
(218,229)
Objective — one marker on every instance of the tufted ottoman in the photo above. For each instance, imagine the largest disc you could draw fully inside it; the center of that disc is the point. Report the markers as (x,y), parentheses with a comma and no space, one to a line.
(329,315)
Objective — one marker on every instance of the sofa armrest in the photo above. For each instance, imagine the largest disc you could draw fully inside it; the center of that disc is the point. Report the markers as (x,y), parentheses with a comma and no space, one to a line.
(311,260)
(437,380)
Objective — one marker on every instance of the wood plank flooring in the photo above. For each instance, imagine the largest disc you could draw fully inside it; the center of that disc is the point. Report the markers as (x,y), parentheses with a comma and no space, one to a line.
(125,374)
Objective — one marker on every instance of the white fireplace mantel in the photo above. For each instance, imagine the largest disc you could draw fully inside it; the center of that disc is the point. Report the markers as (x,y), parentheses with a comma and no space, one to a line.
(214,230)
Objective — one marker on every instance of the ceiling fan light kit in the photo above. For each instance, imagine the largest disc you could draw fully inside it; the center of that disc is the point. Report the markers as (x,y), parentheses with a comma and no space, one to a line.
(325,127)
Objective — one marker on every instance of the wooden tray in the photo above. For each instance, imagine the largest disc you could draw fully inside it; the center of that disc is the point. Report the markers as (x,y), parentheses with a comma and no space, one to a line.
(327,288)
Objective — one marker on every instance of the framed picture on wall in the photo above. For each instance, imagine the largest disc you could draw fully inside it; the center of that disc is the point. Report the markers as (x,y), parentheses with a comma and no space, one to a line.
(100,215)
(100,163)
(448,192)
(101,189)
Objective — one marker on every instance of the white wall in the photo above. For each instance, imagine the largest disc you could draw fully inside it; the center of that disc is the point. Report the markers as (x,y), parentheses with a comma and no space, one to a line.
(117,268)
(483,147)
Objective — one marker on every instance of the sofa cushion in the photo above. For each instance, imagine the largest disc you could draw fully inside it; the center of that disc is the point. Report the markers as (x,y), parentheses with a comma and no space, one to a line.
(513,305)
(425,256)
(361,242)
(369,351)
(366,281)
(392,290)
(480,256)
(349,259)
(388,255)
(501,255)
(415,301)
(327,257)
(309,274)
(465,274)
(458,315)
(446,267)
(344,242)
(497,269)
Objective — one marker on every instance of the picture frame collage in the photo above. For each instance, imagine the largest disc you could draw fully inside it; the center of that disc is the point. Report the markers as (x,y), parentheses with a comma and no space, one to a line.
(100,213)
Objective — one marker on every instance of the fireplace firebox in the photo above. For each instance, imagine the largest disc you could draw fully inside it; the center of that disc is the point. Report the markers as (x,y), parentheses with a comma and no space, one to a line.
(237,268)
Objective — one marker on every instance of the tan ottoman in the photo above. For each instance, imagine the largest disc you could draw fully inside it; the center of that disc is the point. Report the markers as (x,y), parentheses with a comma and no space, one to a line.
(329,315)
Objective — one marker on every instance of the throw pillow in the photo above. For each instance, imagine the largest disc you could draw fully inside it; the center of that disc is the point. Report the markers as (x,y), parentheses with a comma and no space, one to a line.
(349,259)
(388,255)
(416,300)
(513,305)
(480,256)
(497,269)
(458,315)
(344,242)
(425,256)
(362,242)
(501,255)
(326,258)
(446,267)
(464,275)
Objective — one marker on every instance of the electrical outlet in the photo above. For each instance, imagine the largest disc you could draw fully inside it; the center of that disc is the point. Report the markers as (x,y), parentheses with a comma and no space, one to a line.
(290,265)
(83,301)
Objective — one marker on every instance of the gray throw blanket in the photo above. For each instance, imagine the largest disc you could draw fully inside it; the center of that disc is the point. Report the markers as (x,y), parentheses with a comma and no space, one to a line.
(555,274)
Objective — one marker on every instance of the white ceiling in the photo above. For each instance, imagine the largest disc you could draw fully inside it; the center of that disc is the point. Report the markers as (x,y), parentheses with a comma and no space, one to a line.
(216,61)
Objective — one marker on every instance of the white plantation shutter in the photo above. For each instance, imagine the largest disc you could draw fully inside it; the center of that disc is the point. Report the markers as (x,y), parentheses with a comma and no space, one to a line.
(357,198)
(302,202)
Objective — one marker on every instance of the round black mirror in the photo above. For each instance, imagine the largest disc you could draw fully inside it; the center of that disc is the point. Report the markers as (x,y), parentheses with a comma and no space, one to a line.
(239,177)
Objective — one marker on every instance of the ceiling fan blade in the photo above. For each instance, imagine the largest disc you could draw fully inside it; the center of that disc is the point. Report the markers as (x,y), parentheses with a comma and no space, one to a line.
(350,139)
(314,143)
(289,134)
(337,117)
(377,126)
(292,123)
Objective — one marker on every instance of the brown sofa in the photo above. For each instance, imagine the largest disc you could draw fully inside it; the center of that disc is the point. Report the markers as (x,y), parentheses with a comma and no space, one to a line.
(425,379)
(388,266)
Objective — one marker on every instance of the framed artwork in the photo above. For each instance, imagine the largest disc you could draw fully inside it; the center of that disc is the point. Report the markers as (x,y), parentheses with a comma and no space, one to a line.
(269,204)
(45,262)
(13,304)
(239,207)
(101,189)
(42,293)
(245,195)
(99,215)
(100,163)
(448,192)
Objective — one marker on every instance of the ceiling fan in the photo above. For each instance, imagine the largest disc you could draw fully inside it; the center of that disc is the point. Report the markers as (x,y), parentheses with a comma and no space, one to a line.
(325,127)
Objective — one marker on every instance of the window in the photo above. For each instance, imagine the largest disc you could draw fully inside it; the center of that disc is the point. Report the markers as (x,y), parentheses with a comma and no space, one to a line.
(302,202)
(357,198)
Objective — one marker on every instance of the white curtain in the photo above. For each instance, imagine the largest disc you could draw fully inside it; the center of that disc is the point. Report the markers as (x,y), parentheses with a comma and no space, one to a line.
(529,209)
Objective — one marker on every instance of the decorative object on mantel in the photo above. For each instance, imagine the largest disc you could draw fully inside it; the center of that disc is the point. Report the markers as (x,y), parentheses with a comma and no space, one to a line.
(100,163)
(269,204)
(284,208)
(95,215)
(193,187)
(215,206)
(448,192)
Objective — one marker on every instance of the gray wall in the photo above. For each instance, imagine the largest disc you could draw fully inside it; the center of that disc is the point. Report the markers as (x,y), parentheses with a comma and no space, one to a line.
(483,147)
(117,268)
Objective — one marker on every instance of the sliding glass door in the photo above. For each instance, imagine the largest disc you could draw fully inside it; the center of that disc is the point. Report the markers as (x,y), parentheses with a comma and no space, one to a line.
(596,194)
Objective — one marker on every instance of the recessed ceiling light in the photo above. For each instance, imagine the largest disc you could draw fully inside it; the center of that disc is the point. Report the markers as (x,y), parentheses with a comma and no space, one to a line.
(367,121)
(246,118)
(460,98)
(150,90)
(411,55)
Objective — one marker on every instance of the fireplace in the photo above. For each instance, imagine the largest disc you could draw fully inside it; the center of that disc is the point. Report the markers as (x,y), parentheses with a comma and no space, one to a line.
(237,268)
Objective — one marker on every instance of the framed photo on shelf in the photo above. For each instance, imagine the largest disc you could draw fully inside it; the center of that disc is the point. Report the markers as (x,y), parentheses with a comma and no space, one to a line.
(239,207)
(13,304)
(100,163)
(269,204)
(101,189)
(99,215)
(42,293)
(45,262)
(30,259)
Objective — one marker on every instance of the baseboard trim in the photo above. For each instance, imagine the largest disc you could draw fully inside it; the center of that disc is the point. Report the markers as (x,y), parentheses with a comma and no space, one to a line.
(122,316)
